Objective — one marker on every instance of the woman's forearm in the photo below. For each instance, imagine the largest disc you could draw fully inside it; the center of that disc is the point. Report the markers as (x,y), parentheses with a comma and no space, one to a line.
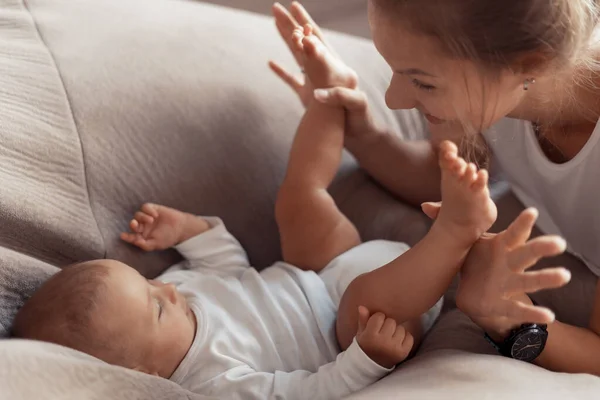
(571,349)
(408,169)
(568,349)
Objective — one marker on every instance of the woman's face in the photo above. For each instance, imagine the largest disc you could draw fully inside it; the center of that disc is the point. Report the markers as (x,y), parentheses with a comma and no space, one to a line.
(455,97)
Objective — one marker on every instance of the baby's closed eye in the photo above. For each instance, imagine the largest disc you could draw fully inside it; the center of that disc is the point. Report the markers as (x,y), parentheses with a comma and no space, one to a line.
(159,307)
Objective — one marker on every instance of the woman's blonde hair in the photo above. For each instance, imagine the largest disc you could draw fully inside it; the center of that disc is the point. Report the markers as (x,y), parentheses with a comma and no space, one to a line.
(526,36)
(502,33)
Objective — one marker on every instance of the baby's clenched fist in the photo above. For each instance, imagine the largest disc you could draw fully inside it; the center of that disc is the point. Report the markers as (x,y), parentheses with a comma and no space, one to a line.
(382,339)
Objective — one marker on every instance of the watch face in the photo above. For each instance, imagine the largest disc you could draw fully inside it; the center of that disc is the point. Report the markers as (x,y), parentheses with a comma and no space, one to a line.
(527,346)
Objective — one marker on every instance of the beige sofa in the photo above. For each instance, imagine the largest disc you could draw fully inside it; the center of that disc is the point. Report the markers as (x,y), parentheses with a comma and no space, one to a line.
(107,104)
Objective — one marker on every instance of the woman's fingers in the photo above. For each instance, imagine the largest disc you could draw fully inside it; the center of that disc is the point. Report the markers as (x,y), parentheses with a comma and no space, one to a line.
(286,24)
(431,209)
(523,313)
(520,230)
(350,99)
(526,256)
(531,282)
(284,20)
(294,82)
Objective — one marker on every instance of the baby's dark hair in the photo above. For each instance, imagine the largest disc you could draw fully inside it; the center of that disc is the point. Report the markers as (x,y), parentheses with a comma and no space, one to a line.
(61,310)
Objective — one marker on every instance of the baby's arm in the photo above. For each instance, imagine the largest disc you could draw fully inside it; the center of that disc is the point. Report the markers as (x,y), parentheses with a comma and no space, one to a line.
(350,372)
(204,240)
(379,345)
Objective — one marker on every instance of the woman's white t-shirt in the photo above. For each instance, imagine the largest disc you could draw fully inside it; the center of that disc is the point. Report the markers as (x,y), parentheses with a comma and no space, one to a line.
(566,195)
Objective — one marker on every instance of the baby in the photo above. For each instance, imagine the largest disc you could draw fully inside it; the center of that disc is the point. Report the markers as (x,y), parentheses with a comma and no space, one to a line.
(334,317)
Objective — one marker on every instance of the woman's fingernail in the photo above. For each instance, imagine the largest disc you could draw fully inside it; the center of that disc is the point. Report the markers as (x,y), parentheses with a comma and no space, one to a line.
(321,94)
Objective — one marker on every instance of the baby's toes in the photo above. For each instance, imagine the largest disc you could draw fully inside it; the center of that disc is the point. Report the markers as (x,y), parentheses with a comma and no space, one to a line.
(470,174)
(458,168)
(297,40)
(313,47)
(447,155)
(481,180)
(448,148)
(308,30)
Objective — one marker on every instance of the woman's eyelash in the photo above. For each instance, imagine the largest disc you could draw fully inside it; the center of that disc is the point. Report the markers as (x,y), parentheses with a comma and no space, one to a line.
(422,86)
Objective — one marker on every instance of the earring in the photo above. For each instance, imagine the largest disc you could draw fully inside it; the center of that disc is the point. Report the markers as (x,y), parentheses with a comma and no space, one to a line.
(529,81)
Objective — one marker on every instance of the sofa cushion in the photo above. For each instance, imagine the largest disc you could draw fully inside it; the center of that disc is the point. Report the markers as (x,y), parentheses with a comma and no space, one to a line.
(112,104)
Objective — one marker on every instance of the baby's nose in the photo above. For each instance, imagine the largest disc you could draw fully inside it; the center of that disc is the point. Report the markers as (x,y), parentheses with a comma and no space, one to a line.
(171,291)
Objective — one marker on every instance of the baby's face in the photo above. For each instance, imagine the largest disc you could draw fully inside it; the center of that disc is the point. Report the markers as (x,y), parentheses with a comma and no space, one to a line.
(152,319)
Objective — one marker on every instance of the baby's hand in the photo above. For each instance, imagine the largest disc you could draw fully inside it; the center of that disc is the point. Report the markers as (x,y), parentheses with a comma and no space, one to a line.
(382,339)
(156,227)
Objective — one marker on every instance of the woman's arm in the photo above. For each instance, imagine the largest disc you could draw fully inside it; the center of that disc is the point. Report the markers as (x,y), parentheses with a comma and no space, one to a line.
(493,287)
(569,348)
(408,169)
(572,349)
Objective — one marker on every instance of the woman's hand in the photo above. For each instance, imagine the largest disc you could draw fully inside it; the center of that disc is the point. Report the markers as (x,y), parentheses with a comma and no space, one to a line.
(287,21)
(359,121)
(494,280)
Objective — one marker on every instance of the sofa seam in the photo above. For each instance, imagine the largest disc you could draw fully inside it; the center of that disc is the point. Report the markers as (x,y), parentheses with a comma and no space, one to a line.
(74,121)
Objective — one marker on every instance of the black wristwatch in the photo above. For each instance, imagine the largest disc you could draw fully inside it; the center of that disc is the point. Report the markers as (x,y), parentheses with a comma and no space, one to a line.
(524,343)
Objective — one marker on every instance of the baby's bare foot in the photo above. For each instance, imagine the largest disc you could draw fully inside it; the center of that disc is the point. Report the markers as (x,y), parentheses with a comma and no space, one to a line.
(467,208)
(323,68)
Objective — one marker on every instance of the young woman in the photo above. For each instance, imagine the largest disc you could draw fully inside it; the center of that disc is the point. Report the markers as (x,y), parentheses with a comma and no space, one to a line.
(518,78)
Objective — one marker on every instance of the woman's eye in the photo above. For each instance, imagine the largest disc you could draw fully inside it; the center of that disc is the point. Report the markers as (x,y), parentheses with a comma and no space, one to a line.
(423,86)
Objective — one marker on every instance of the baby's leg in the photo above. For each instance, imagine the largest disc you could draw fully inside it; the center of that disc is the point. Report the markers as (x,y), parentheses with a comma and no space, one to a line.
(413,283)
(313,231)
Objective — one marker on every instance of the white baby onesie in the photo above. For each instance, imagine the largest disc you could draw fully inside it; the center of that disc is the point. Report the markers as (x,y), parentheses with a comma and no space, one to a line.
(270,335)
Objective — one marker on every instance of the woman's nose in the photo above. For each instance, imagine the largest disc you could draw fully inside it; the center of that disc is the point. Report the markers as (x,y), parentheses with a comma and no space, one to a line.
(399,100)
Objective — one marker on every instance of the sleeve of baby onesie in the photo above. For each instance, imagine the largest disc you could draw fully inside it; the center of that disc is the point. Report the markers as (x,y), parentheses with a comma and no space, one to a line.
(214,249)
(352,371)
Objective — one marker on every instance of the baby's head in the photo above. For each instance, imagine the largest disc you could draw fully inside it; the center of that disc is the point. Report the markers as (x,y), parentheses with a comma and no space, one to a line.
(108,310)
